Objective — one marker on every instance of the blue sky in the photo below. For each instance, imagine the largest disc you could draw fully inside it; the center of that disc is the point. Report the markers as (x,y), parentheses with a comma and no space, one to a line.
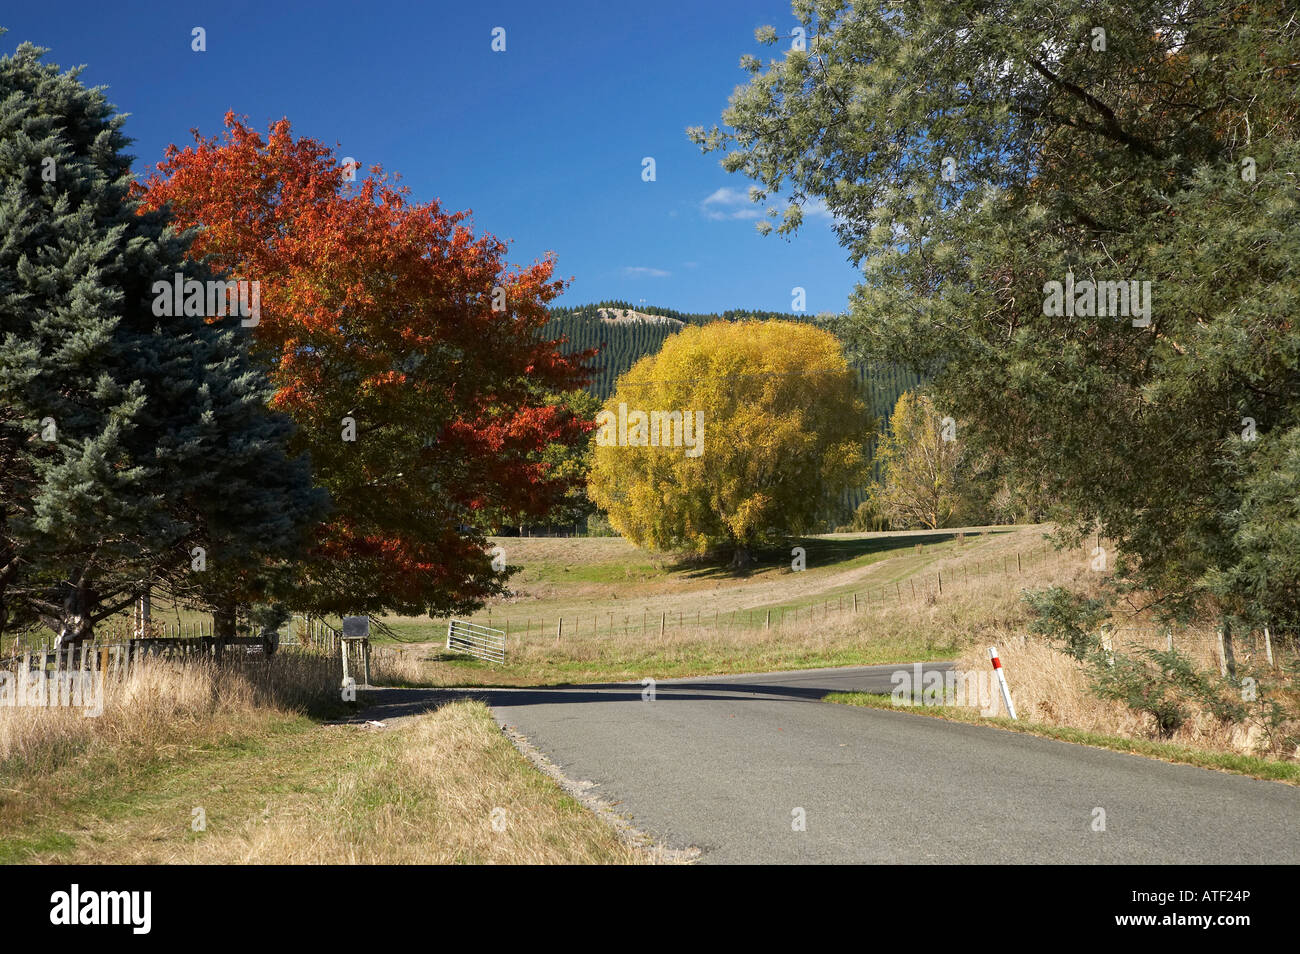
(544,142)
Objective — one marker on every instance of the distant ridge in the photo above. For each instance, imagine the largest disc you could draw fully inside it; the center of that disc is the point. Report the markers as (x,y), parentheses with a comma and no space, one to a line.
(601,310)
(623,316)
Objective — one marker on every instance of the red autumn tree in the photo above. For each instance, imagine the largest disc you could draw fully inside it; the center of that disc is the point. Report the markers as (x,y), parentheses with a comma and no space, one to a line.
(390,321)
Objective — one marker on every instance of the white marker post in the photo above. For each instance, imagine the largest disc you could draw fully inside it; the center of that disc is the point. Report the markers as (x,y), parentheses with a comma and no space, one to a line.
(1002,680)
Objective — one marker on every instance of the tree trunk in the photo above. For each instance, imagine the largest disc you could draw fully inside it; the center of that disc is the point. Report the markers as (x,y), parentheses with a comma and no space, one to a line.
(146,611)
(223,624)
(740,557)
(1229,660)
(76,624)
(8,573)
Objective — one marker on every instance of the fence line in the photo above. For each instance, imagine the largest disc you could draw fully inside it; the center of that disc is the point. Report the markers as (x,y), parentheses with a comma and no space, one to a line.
(938,584)
(113,661)
(116,659)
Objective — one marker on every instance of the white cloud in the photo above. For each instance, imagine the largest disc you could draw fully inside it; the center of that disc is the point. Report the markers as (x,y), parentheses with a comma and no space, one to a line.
(726,203)
(641,271)
(815,208)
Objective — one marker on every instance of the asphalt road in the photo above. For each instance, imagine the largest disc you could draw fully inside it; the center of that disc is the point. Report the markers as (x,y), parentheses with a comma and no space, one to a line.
(730,764)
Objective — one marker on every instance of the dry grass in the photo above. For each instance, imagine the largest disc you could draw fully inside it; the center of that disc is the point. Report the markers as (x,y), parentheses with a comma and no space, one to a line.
(163,701)
(610,586)
(396,666)
(1050,687)
(442,788)
(893,625)
(275,787)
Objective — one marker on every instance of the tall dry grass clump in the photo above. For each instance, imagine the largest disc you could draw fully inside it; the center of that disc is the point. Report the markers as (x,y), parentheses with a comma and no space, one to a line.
(164,701)
(1049,686)
(398,666)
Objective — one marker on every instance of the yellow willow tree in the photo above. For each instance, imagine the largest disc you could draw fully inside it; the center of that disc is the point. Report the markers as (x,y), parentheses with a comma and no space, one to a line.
(919,469)
(733,435)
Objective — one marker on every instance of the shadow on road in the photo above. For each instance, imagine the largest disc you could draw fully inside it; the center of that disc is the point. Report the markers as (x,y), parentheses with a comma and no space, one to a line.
(792,686)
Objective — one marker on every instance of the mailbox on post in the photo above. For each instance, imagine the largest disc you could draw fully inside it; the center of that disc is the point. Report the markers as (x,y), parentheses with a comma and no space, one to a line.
(356,633)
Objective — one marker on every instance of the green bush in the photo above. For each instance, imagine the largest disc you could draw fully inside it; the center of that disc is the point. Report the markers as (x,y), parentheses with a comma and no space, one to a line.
(598,525)
(1067,619)
(1160,682)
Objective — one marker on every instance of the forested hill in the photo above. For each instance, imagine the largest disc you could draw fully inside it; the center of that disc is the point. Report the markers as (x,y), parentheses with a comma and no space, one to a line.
(623,333)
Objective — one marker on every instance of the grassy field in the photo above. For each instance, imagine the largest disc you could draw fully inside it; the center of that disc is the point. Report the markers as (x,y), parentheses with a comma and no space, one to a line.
(589,580)
(626,616)
(194,766)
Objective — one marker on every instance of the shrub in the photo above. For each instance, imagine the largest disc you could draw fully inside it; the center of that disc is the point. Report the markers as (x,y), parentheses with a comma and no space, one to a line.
(1066,619)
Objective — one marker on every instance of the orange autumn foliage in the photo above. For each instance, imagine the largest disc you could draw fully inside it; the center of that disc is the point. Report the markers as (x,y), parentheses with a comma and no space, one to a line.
(379,309)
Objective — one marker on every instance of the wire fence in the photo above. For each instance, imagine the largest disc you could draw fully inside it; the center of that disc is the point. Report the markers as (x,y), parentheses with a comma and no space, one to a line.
(179,639)
(922,588)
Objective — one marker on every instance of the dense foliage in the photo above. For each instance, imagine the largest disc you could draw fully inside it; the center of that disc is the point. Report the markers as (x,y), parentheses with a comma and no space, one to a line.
(403,346)
(780,429)
(619,345)
(974,152)
(136,448)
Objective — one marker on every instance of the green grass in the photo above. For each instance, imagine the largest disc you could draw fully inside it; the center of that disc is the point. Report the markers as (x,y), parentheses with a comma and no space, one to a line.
(99,785)
(1250,765)
(693,660)
(586,580)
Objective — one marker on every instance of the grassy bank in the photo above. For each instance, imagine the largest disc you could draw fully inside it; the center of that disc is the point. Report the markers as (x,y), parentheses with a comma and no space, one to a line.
(199,765)
(605,585)
(912,605)
(1275,770)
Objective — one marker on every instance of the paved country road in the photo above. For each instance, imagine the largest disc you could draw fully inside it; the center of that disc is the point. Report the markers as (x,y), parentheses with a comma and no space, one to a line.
(721,764)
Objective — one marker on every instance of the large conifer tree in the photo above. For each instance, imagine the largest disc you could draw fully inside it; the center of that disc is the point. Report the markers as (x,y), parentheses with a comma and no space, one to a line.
(126,440)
